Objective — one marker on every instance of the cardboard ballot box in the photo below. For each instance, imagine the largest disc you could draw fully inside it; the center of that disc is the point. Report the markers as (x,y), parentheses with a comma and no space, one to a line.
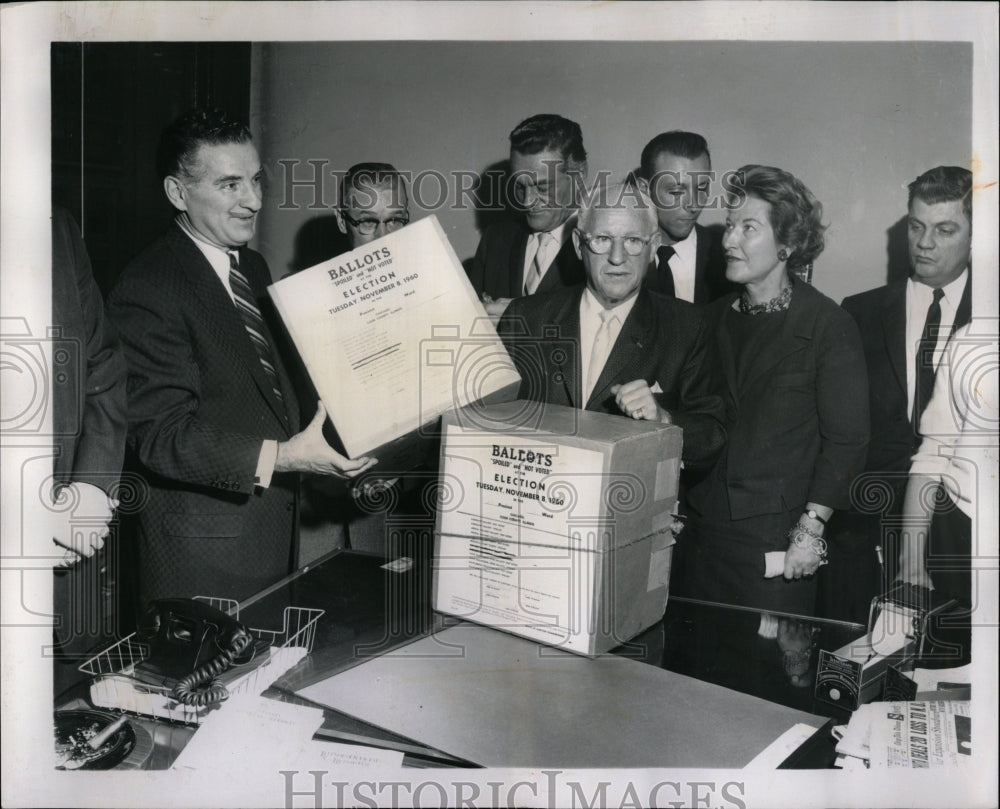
(393,335)
(554,523)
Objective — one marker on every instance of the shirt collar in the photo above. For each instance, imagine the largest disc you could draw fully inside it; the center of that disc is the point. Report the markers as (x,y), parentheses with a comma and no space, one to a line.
(687,248)
(952,292)
(590,307)
(562,232)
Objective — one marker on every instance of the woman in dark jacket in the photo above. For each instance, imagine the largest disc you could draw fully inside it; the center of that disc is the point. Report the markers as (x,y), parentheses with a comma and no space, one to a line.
(797,407)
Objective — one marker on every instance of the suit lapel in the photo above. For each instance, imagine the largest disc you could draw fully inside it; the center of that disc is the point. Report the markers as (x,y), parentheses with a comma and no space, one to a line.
(516,273)
(567,321)
(553,278)
(963,314)
(725,349)
(634,340)
(281,408)
(701,294)
(220,315)
(894,332)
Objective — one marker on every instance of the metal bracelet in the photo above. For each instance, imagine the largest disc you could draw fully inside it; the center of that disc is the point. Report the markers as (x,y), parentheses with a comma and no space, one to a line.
(802,538)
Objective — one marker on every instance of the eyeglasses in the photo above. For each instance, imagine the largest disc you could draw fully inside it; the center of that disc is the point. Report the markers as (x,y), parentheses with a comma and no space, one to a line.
(600,243)
(367,227)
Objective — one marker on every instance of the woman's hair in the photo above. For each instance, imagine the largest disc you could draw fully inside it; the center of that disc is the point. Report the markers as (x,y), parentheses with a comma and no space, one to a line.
(795,213)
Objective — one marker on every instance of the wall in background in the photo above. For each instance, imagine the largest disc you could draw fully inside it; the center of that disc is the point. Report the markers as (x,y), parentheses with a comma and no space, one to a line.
(855,121)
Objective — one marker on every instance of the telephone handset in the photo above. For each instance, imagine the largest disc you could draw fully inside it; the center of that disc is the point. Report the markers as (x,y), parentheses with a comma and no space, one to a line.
(191,643)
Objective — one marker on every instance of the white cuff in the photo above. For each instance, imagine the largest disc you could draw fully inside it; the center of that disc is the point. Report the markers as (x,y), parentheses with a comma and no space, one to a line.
(265,463)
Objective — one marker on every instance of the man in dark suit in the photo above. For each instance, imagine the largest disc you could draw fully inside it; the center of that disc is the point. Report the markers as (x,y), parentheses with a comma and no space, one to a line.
(89,430)
(690,263)
(638,353)
(89,423)
(905,327)
(524,257)
(213,419)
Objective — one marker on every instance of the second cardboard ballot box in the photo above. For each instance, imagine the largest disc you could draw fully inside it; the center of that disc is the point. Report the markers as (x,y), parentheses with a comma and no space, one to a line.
(554,523)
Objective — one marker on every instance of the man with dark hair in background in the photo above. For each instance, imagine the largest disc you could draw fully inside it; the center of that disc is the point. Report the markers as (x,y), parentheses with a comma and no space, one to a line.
(690,263)
(213,419)
(905,327)
(522,257)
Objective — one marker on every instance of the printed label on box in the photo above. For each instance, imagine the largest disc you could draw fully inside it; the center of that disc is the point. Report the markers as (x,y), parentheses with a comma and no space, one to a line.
(524,490)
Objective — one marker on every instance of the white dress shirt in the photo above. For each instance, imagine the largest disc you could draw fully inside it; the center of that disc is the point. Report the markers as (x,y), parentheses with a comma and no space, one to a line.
(918,300)
(959,425)
(551,250)
(682,266)
(590,322)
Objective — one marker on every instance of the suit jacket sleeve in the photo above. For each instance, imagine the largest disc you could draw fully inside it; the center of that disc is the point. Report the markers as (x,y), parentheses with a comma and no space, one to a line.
(100,447)
(164,392)
(842,407)
(702,409)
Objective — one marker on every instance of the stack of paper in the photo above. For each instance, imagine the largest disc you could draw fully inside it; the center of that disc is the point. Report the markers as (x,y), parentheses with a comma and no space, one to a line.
(255,733)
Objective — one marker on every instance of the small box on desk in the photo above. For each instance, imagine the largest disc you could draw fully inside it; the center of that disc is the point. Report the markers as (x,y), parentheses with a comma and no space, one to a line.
(869,667)
(554,523)
(393,335)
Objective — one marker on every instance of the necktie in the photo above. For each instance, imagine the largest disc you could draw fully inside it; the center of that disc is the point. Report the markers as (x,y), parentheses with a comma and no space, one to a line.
(604,339)
(253,321)
(925,358)
(666,277)
(537,267)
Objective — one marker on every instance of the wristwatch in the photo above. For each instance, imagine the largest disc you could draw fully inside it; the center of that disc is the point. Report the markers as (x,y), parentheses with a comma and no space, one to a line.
(812,515)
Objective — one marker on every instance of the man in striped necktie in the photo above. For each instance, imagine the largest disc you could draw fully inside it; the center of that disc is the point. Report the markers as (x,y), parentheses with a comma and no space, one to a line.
(213,418)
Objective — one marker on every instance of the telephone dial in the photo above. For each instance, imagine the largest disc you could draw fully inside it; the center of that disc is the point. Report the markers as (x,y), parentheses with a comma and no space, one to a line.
(191,644)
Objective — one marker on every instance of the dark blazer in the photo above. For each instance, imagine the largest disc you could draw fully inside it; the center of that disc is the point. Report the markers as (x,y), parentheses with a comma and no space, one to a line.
(881,318)
(662,341)
(798,429)
(498,266)
(200,406)
(710,280)
(88,399)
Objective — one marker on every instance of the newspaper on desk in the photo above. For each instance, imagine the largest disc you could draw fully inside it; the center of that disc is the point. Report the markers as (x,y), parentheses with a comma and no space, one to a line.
(913,735)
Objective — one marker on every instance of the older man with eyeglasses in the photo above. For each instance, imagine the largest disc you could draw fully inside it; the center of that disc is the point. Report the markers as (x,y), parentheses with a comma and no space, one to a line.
(639,354)
(373,203)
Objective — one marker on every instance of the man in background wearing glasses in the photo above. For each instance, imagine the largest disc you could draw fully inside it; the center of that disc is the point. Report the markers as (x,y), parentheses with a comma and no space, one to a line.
(639,354)
(516,258)
(373,203)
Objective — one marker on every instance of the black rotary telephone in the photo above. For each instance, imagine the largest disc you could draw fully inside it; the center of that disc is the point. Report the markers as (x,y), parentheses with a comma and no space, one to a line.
(191,644)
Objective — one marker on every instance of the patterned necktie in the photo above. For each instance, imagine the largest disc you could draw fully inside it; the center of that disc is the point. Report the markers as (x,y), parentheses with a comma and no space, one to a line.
(664,254)
(253,321)
(537,268)
(604,339)
(925,358)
